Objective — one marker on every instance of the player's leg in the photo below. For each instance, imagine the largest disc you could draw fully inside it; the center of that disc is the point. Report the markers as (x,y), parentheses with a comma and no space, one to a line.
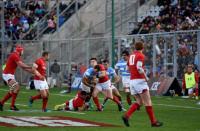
(135,106)
(45,97)
(38,87)
(89,91)
(107,86)
(61,106)
(128,95)
(190,92)
(147,100)
(117,94)
(96,91)
(14,90)
(7,97)
(105,99)
(197,91)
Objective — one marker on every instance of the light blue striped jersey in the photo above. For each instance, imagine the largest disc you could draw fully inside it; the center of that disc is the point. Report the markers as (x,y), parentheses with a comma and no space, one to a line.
(89,73)
(121,65)
(110,72)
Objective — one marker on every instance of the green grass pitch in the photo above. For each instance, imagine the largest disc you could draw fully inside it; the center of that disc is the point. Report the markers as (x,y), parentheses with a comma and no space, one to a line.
(178,114)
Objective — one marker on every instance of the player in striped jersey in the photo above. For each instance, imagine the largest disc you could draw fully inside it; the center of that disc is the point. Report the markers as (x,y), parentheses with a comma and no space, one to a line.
(111,72)
(121,65)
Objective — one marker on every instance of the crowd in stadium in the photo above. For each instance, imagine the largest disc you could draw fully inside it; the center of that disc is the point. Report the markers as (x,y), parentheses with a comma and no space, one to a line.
(18,21)
(181,16)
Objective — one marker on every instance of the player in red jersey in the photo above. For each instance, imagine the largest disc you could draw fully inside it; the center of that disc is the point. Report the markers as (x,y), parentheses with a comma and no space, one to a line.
(104,85)
(39,69)
(138,85)
(14,60)
(74,104)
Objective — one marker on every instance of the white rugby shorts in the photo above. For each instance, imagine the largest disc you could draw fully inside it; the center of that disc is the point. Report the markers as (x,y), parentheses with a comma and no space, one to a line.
(7,77)
(41,85)
(125,81)
(104,86)
(137,86)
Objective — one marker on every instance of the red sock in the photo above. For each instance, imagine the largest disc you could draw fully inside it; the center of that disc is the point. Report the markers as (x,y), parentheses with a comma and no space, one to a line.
(66,108)
(45,100)
(149,111)
(96,101)
(8,96)
(197,91)
(67,103)
(115,100)
(14,96)
(133,108)
(36,97)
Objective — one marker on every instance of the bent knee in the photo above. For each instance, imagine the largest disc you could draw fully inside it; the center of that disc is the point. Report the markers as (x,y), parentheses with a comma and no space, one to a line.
(44,96)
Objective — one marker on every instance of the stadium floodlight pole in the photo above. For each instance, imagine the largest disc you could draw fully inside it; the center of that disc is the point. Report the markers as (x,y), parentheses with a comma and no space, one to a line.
(113,34)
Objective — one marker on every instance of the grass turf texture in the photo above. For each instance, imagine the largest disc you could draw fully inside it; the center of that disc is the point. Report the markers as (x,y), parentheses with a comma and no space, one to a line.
(176,113)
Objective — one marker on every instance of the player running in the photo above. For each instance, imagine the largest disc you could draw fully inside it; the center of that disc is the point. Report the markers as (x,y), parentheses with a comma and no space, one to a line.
(14,60)
(111,72)
(138,85)
(39,69)
(74,104)
(103,85)
(121,65)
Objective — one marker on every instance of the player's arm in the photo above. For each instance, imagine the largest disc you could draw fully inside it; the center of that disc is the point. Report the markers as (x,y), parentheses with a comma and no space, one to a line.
(141,70)
(127,69)
(116,69)
(34,68)
(116,79)
(82,108)
(23,66)
(85,81)
(29,71)
(102,74)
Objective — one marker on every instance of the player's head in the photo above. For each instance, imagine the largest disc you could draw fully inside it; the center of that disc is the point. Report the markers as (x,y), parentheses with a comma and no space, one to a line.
(189,69)
(20,50)
(46,55)
(83,95)
(125,55)
(106,64)
(96,69)
(139,46)
(93,62)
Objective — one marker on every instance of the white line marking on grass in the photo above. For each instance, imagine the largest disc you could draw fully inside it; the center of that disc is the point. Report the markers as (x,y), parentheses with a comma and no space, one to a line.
(16,104)
(62,95)
(180,99)
(189,107)
(4,90)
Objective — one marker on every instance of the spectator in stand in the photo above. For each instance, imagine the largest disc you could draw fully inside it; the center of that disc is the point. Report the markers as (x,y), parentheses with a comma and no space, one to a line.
(10,5)
(55,69)
(51,25)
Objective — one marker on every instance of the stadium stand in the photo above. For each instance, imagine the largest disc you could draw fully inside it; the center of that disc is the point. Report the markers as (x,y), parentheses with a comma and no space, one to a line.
(168,16)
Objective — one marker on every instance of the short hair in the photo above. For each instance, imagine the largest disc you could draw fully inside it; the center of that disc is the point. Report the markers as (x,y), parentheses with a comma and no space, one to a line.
(139,45)
(93,59)
(104,61)
(97,67)
(189,66)
(55,60)
(45,53)
(83,93)
(125,52)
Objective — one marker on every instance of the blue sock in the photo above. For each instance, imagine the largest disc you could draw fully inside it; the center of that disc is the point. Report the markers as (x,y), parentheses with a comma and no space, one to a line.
(121,103)
(104,101)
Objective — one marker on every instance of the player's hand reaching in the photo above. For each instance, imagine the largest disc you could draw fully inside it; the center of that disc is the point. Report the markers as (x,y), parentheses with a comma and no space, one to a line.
(95,82)
(146,79)
(42,77)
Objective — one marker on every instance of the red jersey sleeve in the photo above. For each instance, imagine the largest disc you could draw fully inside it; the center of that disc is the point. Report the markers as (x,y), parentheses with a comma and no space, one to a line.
(196,78)
(37,62)
(16,58)
(183,86)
